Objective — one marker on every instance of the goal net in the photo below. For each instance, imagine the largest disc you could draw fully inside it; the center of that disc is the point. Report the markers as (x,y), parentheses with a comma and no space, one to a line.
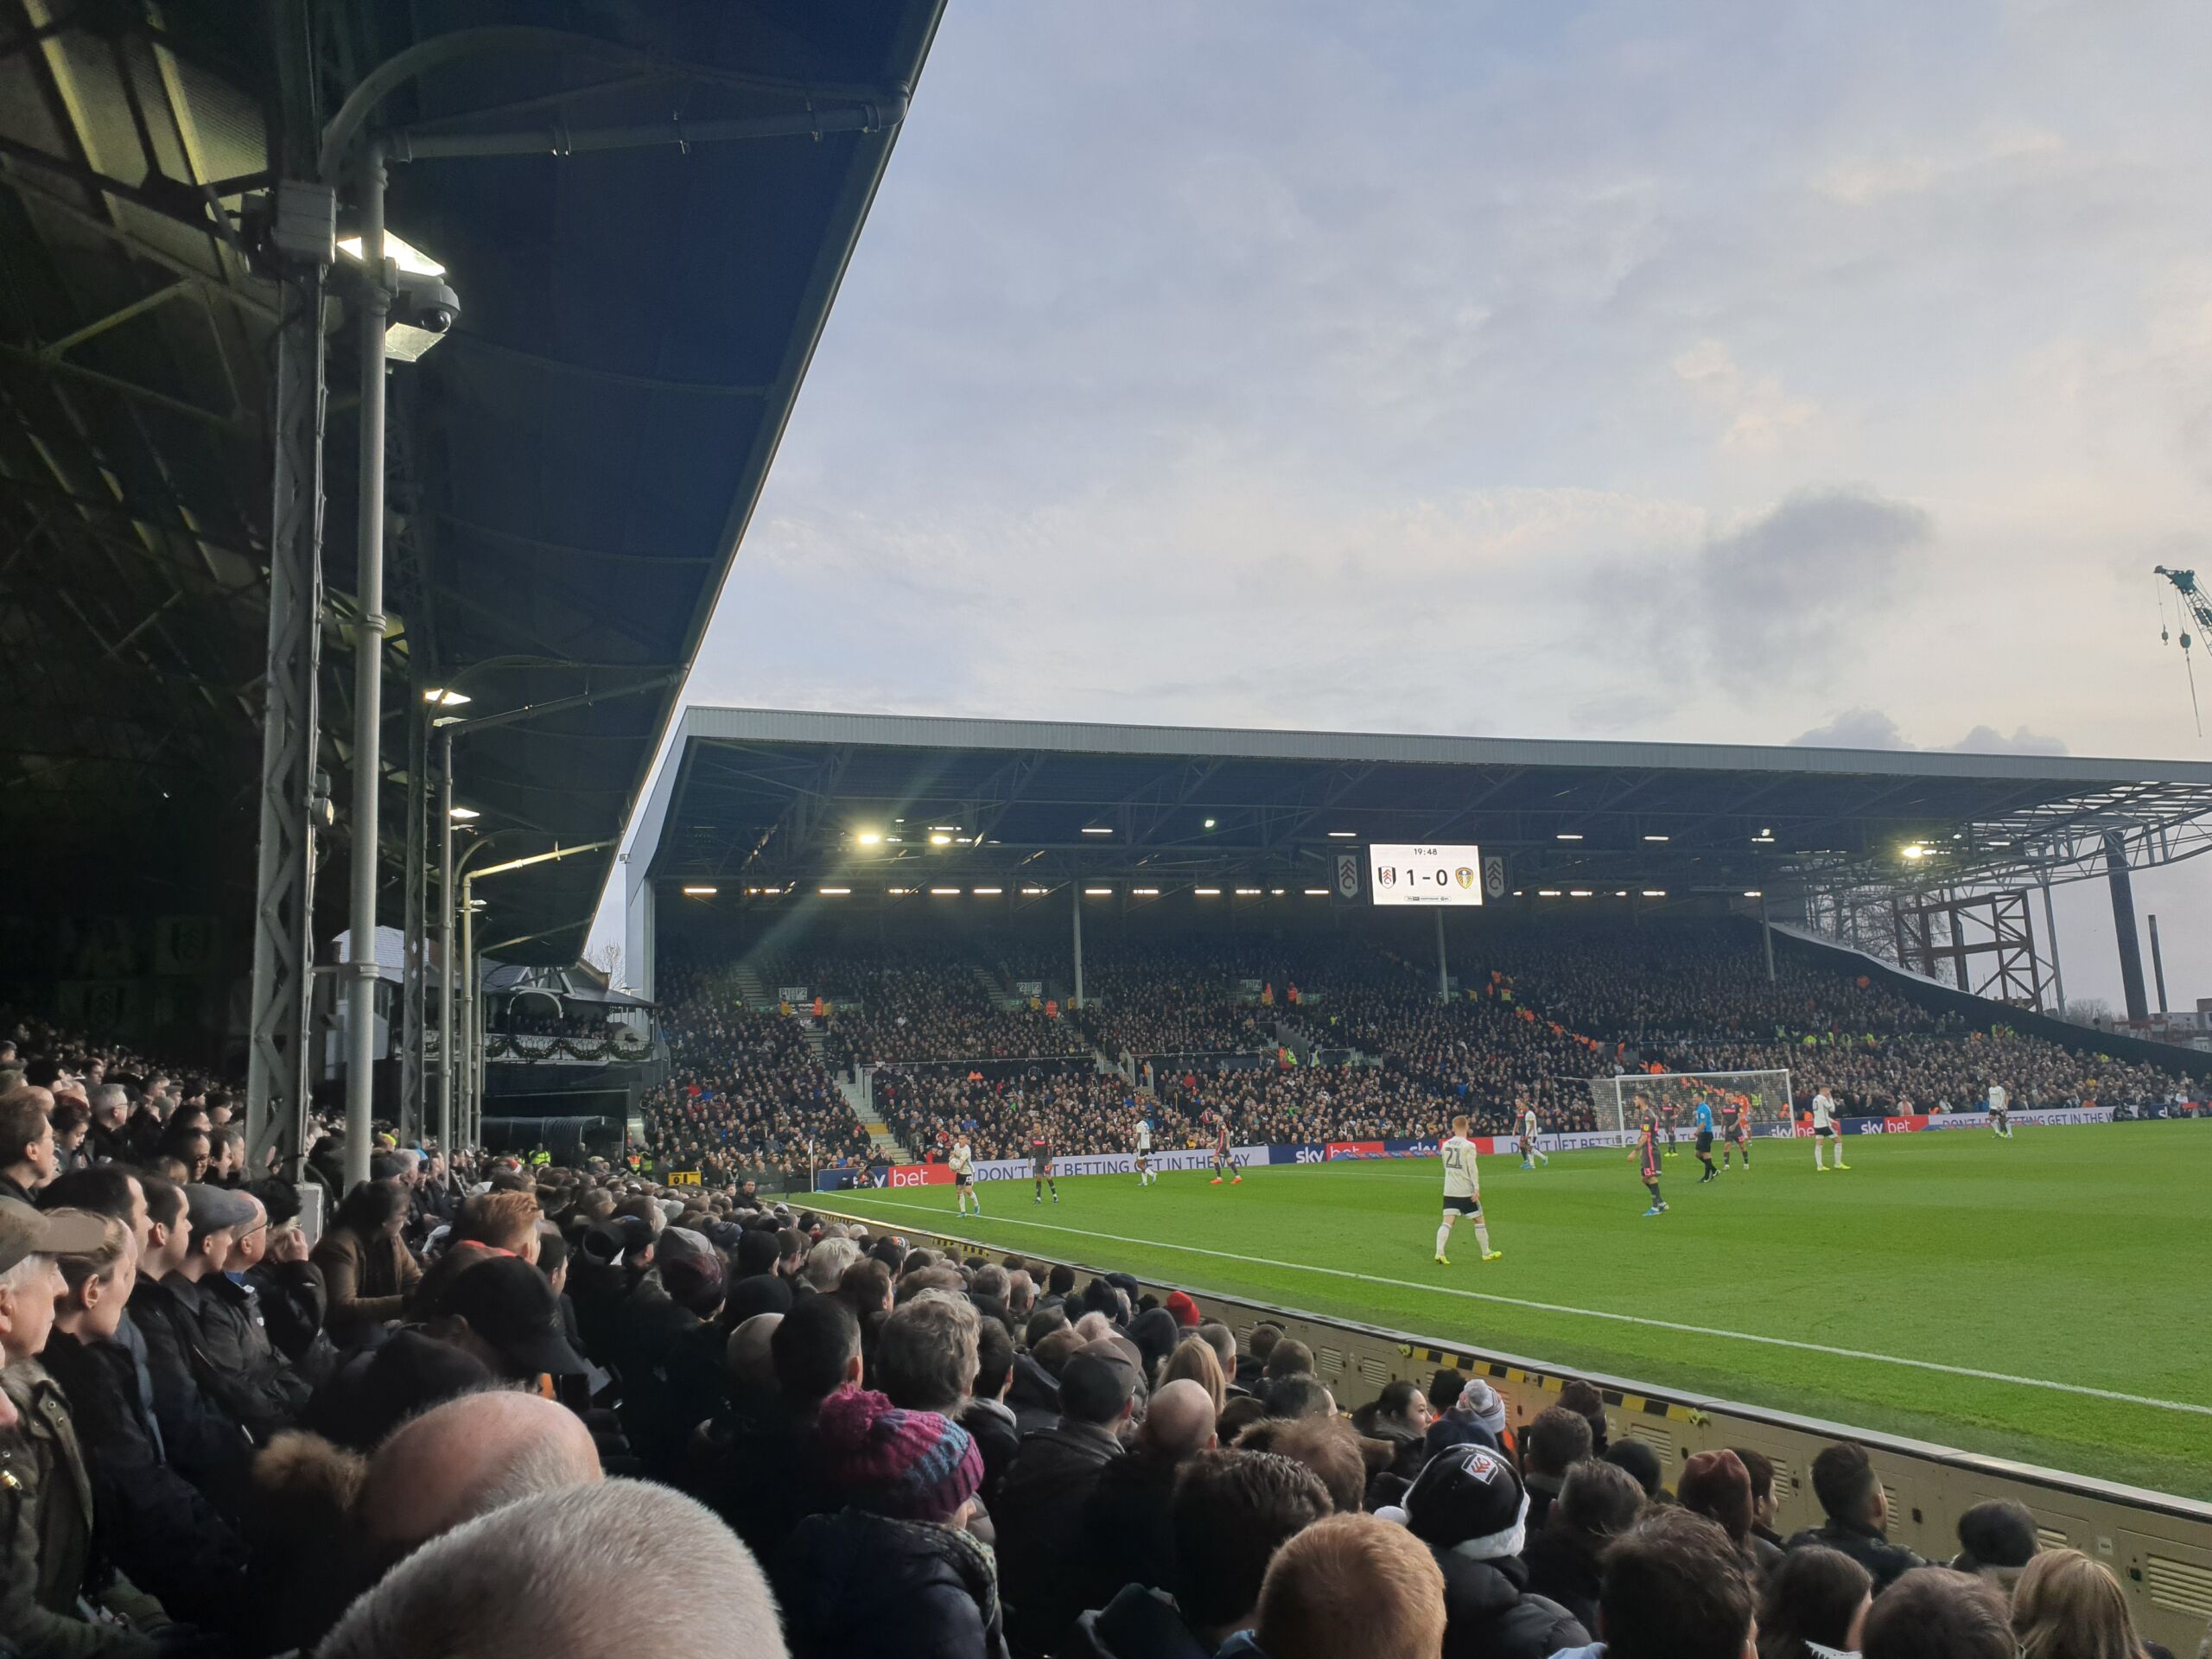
(1672,1098)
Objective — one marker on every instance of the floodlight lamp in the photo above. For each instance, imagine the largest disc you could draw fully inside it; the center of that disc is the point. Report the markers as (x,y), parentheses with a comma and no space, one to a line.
(410,259)
(445,698)
(870,837)
(940,840)
(1208,823)
(1916,850)
(463,814)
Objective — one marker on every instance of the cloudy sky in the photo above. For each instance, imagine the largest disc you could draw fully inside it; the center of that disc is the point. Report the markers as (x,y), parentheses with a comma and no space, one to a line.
(1726,371)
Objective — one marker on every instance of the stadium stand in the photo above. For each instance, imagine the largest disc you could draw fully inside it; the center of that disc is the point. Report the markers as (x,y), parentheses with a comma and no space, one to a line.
(1336,1040)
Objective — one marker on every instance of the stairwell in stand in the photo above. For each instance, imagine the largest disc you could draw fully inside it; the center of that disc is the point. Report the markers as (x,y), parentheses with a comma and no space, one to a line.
(750,990)
(882,1142)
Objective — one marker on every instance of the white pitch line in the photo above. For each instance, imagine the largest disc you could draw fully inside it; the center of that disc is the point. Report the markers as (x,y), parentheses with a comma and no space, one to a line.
(1592,1314)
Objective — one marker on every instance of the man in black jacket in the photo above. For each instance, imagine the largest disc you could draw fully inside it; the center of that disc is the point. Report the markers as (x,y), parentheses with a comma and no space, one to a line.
(1858,1512)
(1042,1504)
(205,1438)
(1469,1507)
(231,1318)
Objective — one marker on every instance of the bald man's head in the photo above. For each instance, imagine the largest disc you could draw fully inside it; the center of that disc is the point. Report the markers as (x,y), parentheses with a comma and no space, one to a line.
(622,1566)
(465,1459)
(1178,1423)
(749,1362)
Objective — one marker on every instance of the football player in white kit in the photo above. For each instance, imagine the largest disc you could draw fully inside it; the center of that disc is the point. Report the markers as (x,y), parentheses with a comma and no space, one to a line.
(1529,1130)
(2000,1110)
(1824,1129)
(1145,1174)
(1462,1193)
(962,1163)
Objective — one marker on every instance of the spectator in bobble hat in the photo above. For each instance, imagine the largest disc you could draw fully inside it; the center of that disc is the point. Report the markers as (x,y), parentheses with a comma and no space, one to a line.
(895,1574)
(1185,1310)
(1475,1417)
(1468,1506)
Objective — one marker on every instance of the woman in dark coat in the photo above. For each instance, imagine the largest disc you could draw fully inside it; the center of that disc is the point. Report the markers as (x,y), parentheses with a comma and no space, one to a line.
(366,1270)
(895,1575)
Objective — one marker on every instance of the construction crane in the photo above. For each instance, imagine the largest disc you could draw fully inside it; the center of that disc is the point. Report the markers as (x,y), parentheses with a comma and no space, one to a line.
(2195,608)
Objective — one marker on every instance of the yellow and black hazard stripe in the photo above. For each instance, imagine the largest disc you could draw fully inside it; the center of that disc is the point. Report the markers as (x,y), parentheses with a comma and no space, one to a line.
(1550,1382)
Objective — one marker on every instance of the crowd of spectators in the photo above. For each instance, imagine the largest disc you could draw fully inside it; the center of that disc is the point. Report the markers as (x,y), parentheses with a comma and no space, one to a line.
(908,1003)
(553,1412)
(1250,1030)
(744,1090)
(1077,1109)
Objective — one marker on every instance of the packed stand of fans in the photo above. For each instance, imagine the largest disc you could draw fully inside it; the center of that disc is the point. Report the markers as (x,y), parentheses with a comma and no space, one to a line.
(910,1003)
(1077,1110)
(744,1090)
(564,1413)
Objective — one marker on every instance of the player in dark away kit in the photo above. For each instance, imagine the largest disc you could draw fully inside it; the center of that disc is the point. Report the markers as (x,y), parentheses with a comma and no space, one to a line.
(1223,1163)
(1647,1157)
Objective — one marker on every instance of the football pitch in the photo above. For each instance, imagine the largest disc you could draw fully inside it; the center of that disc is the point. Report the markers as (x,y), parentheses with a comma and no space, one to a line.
(2046,1299)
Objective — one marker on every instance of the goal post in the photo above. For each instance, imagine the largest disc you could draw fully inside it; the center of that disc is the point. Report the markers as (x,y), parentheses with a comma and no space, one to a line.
(1619,1102)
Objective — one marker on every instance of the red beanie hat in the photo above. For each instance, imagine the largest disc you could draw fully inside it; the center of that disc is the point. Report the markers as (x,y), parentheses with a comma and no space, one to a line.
(1185,1310)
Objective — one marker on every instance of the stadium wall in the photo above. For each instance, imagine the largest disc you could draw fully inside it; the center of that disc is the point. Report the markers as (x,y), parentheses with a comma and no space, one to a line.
(2159,1545)
(1982,1013)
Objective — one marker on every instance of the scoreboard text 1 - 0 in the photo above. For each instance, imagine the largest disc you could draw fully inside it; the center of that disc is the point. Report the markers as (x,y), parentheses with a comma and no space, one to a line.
(1424,875)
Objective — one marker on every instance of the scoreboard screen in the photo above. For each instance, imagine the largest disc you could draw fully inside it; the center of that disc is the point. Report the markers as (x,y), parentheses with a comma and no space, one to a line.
(1424,875)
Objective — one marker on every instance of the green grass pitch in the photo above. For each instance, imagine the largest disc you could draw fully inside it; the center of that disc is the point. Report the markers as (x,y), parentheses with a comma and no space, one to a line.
(2074,1256)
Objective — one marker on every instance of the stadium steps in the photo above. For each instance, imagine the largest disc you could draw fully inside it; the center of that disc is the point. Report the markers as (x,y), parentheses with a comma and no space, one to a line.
(750,990)
(996,991)
(884,1144)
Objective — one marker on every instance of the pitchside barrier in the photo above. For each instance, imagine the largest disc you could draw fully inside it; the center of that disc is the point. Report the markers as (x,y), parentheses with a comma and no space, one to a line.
(2159,1545)
(1327,1151)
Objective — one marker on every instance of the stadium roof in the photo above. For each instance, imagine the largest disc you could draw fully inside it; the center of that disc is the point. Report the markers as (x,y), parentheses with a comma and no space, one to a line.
(570,473)
(765,799)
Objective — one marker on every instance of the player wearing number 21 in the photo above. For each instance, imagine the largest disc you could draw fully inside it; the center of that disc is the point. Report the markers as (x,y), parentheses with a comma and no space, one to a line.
(1462,1193)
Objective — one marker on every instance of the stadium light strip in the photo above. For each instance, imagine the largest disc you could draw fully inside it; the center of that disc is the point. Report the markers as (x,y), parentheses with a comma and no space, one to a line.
(1146,893)
(1098,893)
(1096,829)
(1753,893)
(1658,837)
(1579,893)
(1344,835)
(833,892)
(1566,835)
(1547,892)
(944,892)
(1207,893)
(1034,892)
(986,892)
(898,892)
(1248,892)
(701,892)
(1655,892)
(1316,892)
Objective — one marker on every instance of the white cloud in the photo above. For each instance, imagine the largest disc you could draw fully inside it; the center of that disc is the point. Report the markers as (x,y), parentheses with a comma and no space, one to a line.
(1759,415)
(1871,728)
